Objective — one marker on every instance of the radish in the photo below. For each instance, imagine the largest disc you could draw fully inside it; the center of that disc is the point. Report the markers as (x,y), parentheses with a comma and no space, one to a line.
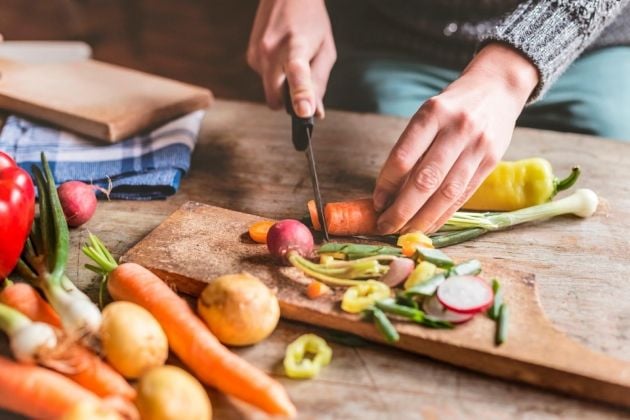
(78,201)
(465,294)
(289,236)
(433,308)
(399,270)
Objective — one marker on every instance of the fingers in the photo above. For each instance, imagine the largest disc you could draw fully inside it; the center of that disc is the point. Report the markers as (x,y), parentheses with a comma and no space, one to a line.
(321,66)
(411,145)
(452,194)
(298,73)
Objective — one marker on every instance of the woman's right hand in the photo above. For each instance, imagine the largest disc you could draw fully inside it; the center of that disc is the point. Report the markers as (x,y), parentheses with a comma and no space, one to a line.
(292,40)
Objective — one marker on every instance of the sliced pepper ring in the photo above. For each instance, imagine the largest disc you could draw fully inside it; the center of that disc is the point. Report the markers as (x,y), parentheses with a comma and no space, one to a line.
(296,363)
(358,298)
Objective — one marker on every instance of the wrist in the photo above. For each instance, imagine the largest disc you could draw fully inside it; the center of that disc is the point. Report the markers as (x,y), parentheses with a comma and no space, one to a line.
(506,66)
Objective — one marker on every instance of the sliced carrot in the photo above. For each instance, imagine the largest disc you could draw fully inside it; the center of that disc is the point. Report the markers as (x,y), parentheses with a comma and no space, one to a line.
(195,345)
(258,231)
(93,373)
(40,393)
(347,218)
(317,289)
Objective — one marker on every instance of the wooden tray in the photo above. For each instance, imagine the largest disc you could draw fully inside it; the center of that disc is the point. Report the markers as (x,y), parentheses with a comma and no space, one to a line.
(199,242)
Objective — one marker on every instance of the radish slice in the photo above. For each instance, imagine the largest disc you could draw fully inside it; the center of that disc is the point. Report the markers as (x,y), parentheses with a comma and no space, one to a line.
(399,270)
(435,309)
(465,294)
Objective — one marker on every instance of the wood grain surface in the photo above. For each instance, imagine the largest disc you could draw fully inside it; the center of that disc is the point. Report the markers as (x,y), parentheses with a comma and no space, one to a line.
(96,99)
(244,162)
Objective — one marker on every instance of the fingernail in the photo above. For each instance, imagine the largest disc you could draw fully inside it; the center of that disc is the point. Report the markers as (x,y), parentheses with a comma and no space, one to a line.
(380,198)
(303,108)
(385,228)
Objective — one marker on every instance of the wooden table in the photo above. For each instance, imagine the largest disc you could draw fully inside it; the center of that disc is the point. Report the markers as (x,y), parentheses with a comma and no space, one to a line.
(244,161)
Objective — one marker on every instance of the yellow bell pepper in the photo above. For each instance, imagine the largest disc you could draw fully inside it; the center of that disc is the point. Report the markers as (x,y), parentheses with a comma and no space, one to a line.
(296,363)
(423,272)
(519,184)
(409,242)
(362,296)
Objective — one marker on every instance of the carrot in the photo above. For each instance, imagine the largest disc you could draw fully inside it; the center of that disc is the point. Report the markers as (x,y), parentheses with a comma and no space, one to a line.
(189,338)
(27,300)
(258,231)
(94,374)
(36,392)
(316,289)
(347,218)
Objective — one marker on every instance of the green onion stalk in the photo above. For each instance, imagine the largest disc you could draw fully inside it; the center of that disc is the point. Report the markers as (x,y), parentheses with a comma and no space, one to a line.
(464,226)
(44,260)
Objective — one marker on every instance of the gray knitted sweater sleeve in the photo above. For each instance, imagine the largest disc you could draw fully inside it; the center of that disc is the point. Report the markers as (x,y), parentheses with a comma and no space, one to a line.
(553,33)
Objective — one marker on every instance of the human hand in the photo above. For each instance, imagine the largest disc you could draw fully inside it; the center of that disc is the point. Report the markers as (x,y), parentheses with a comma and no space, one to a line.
(453,142)
(292,40)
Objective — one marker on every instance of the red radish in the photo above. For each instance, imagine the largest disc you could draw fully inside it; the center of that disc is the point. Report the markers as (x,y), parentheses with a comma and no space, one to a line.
(465,294)
(287,236)
(399,270)
(78,201)
(436,310)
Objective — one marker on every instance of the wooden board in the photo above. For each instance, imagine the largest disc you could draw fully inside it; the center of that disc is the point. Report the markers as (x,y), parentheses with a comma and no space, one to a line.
(96,99)
(199,242)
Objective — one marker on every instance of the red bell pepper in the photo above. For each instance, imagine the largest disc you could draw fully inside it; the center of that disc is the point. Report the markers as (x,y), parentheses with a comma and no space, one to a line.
(17,210)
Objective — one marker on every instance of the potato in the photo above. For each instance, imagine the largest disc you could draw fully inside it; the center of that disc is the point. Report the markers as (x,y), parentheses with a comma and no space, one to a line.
(239,309)
(88,410)
(132,339)
(171,393)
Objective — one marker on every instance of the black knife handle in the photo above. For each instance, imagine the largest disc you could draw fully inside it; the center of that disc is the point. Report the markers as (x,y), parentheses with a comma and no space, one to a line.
(301,128)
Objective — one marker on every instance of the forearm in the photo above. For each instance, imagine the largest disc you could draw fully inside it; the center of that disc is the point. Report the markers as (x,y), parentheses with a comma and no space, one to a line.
(553,33)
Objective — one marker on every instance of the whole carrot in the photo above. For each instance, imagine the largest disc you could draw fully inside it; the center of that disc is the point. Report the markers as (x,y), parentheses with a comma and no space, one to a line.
(188,337)
(347,218)
(93,373)
(37,392)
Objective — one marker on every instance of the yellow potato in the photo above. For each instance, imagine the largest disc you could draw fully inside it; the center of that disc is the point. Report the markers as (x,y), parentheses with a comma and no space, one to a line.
(86,410)
(171,393)
(239,309)
(132,339)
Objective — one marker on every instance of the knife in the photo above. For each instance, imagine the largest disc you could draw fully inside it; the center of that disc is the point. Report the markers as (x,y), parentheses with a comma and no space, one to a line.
(301,132)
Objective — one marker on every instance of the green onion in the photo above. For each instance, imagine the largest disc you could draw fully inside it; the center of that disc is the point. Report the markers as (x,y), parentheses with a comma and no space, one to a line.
(435,256)
(389,305)
(494,310)
(464,226)
(467,268)
(356,251)
(431,322)
(426,288)
(384,325)
(502,325)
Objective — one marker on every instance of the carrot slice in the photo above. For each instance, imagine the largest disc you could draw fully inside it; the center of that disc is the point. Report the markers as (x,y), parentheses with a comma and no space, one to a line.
(258,231)
(347,218)
(317,289)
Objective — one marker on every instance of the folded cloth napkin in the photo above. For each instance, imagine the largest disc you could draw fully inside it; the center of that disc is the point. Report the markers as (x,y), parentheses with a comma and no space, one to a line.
(144,167)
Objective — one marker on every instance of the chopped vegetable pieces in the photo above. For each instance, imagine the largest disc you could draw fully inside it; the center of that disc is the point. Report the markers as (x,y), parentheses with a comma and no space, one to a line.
(317,289)
(434,256)
(465,294)
(258,231)
(421,273)
(362,296)
(410,242)
(305,357)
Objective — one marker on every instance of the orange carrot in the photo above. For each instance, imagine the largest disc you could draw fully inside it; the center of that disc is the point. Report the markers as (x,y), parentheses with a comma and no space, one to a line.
(347,218)
(189,338)
(94,374)
(316,289)
(36,392)
(258,231)
(27,300)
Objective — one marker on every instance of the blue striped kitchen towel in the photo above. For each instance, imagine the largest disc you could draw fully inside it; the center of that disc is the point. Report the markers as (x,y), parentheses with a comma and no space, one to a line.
(144,167)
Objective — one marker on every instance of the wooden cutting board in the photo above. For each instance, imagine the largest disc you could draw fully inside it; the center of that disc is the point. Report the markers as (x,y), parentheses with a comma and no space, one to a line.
(199,242)
(96,99)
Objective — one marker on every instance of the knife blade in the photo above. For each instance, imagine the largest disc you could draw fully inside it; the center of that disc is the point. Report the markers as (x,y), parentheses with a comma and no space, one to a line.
(301,132)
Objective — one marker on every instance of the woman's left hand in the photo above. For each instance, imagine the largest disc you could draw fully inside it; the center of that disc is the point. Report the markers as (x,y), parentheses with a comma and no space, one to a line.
(453,142)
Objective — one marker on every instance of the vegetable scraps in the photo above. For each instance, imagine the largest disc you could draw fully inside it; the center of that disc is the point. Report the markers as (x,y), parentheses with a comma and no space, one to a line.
(211,362)
(516,185)
(17,211)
